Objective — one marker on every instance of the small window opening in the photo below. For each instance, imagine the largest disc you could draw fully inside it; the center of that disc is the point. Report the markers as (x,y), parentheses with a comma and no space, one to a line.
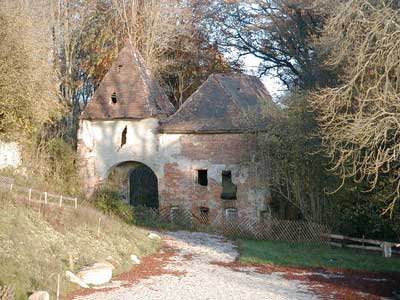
(114,98)
(204,214)
(123,136)
(202,177)
(265,215)
(119,68)
(229,189)
(231,214)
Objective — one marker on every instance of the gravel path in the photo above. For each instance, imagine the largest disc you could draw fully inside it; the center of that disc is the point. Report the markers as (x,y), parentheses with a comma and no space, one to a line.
(194,259)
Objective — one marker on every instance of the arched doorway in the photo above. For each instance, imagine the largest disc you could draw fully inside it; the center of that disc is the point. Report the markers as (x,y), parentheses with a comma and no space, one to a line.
(143,187)
(137,183)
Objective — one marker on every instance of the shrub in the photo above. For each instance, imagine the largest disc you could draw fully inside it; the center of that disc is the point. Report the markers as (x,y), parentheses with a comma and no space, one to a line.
(62,157)
(109,201)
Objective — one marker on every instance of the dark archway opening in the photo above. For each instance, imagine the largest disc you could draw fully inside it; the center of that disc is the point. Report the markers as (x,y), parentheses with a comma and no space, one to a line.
(143,187)
(137,183)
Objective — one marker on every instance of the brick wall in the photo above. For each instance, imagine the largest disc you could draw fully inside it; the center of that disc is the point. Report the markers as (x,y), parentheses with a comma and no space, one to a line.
(216,153)
(175,159)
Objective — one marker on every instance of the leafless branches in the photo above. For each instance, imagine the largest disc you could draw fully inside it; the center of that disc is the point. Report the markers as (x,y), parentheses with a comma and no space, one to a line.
(360,119)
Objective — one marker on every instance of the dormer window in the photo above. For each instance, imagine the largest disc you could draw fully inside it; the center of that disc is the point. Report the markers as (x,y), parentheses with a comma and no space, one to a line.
(114,98)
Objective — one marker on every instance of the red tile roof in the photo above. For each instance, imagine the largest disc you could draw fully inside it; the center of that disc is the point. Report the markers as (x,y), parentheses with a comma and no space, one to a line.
(128,91)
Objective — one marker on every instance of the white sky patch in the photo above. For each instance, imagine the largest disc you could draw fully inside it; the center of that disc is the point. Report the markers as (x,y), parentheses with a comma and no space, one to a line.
(271,82)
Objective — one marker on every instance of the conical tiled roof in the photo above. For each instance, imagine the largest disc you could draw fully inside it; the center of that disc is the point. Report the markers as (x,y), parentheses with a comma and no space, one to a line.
(224,103)
(128,91)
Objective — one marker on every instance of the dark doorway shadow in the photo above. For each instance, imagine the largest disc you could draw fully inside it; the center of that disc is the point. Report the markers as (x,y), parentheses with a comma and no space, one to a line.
(143,187)
(136,182)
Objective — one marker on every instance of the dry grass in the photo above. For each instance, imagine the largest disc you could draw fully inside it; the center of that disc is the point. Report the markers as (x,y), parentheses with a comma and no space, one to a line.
(35,248)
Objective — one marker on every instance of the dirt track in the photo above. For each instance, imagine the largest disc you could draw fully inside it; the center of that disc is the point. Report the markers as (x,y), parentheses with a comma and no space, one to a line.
(202,266)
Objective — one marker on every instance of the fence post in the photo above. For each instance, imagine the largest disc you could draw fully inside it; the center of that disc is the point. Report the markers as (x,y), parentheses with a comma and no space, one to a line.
(98,228)
(61,199)
(11,187)
(387,249)
(76,203)
(45,198)
(30,196)
(58,287)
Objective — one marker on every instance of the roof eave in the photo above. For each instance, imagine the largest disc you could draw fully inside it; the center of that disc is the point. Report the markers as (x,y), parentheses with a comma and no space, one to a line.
(193,131)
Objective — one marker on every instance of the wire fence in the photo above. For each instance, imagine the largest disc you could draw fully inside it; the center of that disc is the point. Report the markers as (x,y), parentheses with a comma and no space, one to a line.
(36,197)
(180,218)
(242,227)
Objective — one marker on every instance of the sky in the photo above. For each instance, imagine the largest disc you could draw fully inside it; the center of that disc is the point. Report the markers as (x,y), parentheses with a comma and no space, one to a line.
(273,84)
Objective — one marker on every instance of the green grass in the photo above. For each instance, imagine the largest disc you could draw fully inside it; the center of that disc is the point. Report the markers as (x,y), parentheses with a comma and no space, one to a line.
(311,256)
(35,248)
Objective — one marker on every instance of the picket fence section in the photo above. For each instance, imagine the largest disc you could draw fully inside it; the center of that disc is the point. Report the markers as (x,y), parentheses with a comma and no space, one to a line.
(267,229)
(342,241)
(33,196)
(7,293)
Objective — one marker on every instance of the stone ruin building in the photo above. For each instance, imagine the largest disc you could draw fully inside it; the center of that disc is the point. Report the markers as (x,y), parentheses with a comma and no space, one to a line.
(200,158)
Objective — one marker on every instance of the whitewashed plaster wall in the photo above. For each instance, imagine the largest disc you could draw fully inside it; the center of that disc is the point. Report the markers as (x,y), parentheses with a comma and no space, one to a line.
(103,140)
(100,148)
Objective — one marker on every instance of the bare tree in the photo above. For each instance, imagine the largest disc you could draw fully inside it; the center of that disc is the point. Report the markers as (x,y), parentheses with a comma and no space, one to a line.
(360,119)
(278,32)
(172,43)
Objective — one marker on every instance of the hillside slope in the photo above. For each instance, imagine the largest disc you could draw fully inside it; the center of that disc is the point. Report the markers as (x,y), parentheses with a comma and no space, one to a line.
(35,248)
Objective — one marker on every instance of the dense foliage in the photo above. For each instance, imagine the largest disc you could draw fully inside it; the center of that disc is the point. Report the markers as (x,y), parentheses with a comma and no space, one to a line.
(27,80)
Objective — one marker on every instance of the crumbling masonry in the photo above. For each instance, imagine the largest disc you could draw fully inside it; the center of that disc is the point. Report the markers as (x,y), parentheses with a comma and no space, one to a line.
(201,157)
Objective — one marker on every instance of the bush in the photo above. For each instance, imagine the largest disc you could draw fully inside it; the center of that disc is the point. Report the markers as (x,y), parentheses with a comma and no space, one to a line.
(62,159)
(109,201)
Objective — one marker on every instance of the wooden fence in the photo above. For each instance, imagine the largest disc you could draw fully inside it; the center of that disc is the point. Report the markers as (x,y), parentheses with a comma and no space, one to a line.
(387,248)
(33,196)
(267,229)
(7,293)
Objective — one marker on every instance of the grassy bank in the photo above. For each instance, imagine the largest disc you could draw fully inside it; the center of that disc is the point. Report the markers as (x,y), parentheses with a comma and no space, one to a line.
(308,255)
(35,248)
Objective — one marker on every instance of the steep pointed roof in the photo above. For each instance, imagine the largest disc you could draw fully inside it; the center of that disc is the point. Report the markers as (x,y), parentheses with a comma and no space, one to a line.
(224,103)
(128,91)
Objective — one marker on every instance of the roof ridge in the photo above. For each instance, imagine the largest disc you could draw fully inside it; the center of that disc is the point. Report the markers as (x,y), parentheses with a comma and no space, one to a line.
(146,78)
(222,104)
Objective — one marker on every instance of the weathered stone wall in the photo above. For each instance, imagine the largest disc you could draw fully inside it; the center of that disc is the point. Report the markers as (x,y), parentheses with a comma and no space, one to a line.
(176,159)
(215,153)
(99,146)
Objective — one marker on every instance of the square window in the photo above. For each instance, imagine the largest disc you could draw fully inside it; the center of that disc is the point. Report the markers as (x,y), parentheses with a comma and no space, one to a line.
(231,214)
(202,177)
